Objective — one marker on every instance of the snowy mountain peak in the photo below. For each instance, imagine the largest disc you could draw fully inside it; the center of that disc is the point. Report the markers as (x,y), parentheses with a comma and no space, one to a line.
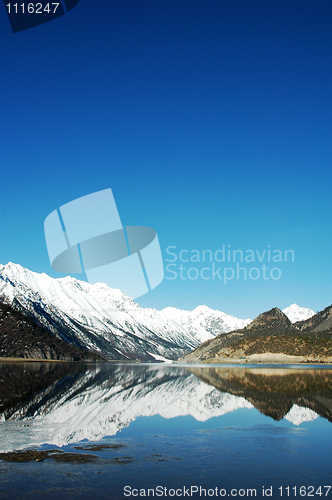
(203,309)
(68,285)
(296,313)
(96,317)
(205,323)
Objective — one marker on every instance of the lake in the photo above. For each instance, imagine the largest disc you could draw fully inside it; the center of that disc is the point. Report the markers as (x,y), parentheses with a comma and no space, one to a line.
(120,430)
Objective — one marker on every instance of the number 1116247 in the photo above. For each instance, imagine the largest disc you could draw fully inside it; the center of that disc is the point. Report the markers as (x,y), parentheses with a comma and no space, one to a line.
(32,8)
(304,491)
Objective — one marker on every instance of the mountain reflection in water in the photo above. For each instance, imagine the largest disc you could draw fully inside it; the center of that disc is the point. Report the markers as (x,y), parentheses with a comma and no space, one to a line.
(65,403)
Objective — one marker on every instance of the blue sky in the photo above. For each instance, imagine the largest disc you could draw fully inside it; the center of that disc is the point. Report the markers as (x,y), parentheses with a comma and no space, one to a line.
(210,121)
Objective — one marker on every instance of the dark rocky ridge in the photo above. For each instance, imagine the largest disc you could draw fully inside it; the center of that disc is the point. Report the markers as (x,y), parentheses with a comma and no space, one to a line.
(319,322)
(21,337)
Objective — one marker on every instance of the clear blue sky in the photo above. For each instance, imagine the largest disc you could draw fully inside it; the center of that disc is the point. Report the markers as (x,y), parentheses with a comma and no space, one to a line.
(210,120)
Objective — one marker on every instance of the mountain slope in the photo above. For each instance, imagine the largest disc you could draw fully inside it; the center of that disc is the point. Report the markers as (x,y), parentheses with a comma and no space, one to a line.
(204,323)
(317,323)
(94,317)
(20,337)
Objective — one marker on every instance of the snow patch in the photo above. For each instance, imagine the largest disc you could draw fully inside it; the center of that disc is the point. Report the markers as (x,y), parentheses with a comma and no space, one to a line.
(296,313)
(297,415)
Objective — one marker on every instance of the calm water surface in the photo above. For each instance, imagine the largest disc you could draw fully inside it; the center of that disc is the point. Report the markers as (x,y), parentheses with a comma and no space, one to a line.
(116,431)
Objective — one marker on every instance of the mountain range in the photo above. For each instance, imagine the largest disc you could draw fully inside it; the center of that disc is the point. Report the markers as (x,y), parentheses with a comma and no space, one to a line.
(107,322)
(271,338)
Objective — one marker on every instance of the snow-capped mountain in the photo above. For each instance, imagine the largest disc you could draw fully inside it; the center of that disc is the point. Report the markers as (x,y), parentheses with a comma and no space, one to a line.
(296,313)
(204,323)
(107,321)
(96,317)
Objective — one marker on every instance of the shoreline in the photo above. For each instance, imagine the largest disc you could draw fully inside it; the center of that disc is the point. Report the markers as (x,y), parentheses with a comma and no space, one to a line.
(34,360)
(269,358)
(43,360)
(272,359)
